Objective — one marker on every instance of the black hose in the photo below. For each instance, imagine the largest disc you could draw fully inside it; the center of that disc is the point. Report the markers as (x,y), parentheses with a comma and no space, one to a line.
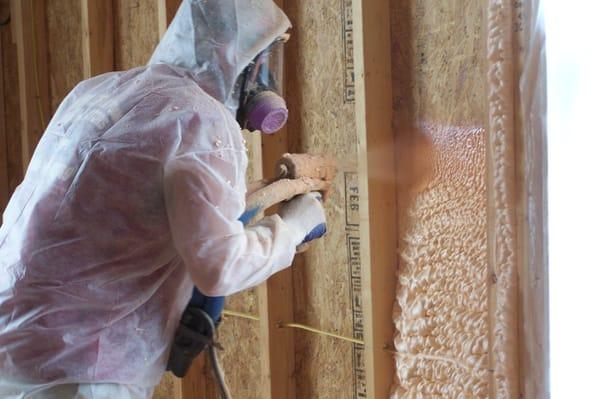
(218,372)
(214,361)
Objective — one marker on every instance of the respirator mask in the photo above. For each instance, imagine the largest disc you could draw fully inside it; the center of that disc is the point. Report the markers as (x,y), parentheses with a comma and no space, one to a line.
(261,106)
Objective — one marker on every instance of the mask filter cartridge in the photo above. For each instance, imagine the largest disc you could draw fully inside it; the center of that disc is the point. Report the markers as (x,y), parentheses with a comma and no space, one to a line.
(267,112)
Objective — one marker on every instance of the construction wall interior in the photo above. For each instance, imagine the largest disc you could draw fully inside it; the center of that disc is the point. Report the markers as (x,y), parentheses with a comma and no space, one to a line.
(430,237)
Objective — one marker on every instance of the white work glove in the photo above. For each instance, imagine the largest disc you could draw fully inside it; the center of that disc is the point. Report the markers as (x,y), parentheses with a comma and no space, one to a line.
(305,217)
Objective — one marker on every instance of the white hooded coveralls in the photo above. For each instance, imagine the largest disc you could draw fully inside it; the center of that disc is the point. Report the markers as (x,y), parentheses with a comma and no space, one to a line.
(132,196)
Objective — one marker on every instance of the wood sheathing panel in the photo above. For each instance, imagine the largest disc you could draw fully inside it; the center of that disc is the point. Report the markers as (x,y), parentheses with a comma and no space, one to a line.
(12,123)
(241,357)
(136,32)
(322,122)
(63,21)
(441,314)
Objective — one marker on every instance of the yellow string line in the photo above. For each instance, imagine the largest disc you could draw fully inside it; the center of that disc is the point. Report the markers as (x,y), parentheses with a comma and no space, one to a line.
(299,326)
(233,313)
(35,69)
(321,332)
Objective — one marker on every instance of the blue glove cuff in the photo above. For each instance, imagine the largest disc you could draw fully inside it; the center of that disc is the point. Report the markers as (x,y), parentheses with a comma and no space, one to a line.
(248,215)
(317,232)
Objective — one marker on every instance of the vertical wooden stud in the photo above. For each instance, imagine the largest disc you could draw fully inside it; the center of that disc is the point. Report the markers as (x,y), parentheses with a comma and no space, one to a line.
(4,187)
(276,300)
(97,41)
(163,21)
(377,208)
(29,23)
(166,12)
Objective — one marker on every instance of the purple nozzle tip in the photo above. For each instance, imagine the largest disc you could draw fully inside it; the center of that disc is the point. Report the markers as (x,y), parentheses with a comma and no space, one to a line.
(267,112)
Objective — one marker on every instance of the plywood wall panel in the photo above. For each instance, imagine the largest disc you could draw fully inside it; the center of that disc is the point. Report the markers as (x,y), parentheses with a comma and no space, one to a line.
(447,58)
(322,122)
(241,357)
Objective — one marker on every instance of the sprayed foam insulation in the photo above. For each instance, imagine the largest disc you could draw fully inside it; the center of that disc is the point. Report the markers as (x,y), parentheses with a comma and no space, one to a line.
(502,201)
(65,60)
(439,89)
(322,122)
(441,314)
(456,311)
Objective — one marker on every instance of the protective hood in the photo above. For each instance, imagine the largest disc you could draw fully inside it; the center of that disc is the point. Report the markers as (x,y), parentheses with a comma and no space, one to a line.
(216,39)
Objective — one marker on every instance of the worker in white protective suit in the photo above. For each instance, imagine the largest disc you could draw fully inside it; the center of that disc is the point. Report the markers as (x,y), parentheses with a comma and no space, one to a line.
(132,197)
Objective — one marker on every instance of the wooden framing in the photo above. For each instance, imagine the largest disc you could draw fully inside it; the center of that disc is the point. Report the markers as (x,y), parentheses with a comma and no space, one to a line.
(532,202)
(98,39)
(276,301)
(378,213)
(4,186)
(517,204)
(29,33)
(166,10)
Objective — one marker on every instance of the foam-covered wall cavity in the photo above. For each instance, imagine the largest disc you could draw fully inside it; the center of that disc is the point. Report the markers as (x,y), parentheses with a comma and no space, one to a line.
(441,310)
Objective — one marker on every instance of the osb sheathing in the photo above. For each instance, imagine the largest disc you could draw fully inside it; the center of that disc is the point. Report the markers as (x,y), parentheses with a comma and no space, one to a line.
(321,122)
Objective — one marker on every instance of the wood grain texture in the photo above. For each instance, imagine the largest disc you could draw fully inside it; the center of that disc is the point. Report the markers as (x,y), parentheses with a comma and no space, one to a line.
(242,354)
(11,108)
(97,38)
(12,122)
(136,32)
(168,388)
(276,296)
(4,188)
(376,158)
(65,58)
(28,23)
(532,211)
(321,122)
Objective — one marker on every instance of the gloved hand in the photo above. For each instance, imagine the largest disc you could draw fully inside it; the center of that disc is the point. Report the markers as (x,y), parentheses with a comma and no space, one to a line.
(305,217)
